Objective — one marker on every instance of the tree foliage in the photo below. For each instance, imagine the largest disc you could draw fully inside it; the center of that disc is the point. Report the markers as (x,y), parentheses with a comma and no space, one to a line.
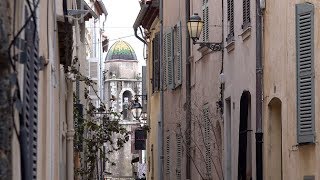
(94,128)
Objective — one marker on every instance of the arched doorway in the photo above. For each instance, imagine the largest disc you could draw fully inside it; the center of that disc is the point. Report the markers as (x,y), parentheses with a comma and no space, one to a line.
(275,139)
(245,132)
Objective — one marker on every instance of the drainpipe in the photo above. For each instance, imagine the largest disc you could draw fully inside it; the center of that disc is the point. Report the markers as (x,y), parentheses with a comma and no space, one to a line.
(161,122)
(136,24)
(259,73)
(188,96)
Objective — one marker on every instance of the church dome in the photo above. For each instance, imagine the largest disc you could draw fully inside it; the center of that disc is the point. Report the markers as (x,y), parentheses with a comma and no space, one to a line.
(121,50)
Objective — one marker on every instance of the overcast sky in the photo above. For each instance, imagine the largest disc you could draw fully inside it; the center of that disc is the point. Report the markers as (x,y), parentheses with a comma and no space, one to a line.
(119,25)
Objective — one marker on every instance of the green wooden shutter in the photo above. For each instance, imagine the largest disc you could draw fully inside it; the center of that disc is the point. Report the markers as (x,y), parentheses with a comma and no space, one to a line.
(179,156)
(305,74)
(232,18)
(170,58)
(165,59)
(156,63)
(30,98)
(178,60)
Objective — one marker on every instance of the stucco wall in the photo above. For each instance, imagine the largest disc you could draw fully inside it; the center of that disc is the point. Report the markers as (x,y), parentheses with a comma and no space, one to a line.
(280,82)
(240,76)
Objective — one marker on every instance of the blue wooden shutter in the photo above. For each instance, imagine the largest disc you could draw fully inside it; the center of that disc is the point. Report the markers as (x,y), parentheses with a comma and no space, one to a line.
(170,58)
(30,98)
(205,14)
(168,157)
(179,156)
(207,139)
(165,59)
(305,74)
(178,60)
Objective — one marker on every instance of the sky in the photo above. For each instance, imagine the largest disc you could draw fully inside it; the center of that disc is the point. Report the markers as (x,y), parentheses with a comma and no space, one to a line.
(119,25)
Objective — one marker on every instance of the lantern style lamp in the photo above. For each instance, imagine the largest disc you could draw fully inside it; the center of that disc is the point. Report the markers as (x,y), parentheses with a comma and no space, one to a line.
(136,109)
(195,25)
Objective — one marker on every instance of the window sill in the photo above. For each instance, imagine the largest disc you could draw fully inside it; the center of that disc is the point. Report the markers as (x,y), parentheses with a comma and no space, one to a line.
(203,49)
(246,33)
(230,46)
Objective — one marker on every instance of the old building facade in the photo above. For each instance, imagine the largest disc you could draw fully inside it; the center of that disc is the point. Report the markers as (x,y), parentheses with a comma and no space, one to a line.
(291,124)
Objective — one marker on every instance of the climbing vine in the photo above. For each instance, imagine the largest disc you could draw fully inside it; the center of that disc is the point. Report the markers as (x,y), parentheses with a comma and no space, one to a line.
(94,127)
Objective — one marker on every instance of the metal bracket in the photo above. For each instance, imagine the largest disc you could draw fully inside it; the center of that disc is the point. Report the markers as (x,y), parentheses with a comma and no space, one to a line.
(211,45)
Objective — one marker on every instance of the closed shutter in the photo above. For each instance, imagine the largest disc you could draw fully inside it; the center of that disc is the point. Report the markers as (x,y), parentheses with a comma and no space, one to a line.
(179,156)
(165,59)
(305,74)
(168,157)
(205,14)
(144,89)
(30,98)
(207,139)
(170,58)
(246,14)
(156,63)
(230,36)
(178,51)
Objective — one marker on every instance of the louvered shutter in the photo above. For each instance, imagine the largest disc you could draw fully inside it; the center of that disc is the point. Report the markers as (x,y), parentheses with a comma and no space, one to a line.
(305,74)
(164,61)
(205,14)
(30,98)
(246,14)
(179,156)
(168,157)
(207,139)
(170,58)
(156,63)
(178,51)
(232,17)
(144,89)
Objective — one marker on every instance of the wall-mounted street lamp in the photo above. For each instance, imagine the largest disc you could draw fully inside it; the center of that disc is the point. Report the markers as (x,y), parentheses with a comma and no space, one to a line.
(195,25)
(136,108)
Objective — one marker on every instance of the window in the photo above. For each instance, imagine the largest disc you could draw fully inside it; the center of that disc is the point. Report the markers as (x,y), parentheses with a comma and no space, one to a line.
(230,36)
(305,72)
(178,54)
(205,14)
(30,99)
(173,56)
(246,14)
(156,63)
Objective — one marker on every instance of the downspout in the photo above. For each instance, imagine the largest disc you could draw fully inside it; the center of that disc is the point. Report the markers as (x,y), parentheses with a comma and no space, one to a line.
(70,129)
(259,73)
(188,96)
(138,21)
(161,122)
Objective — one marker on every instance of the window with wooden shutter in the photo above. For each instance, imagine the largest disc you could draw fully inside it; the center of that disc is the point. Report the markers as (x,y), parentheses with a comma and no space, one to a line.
(205,15)
(305,73)
(178,54)
(230,36)
(156,63)
(246,14)
(164,61)
(207,139)
(30,99)
(168,157)
(170,58)
(179,156)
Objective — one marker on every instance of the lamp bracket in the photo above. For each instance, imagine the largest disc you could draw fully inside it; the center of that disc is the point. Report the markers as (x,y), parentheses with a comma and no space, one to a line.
(211,45)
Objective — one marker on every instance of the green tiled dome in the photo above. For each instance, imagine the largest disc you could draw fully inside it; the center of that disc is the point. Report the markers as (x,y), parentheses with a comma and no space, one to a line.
(121,50)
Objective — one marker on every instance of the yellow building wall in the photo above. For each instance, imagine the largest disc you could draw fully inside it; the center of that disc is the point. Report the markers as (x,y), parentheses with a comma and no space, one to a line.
(153,112)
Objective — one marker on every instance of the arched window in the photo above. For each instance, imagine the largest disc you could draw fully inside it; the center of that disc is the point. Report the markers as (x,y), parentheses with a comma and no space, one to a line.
(127,96)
